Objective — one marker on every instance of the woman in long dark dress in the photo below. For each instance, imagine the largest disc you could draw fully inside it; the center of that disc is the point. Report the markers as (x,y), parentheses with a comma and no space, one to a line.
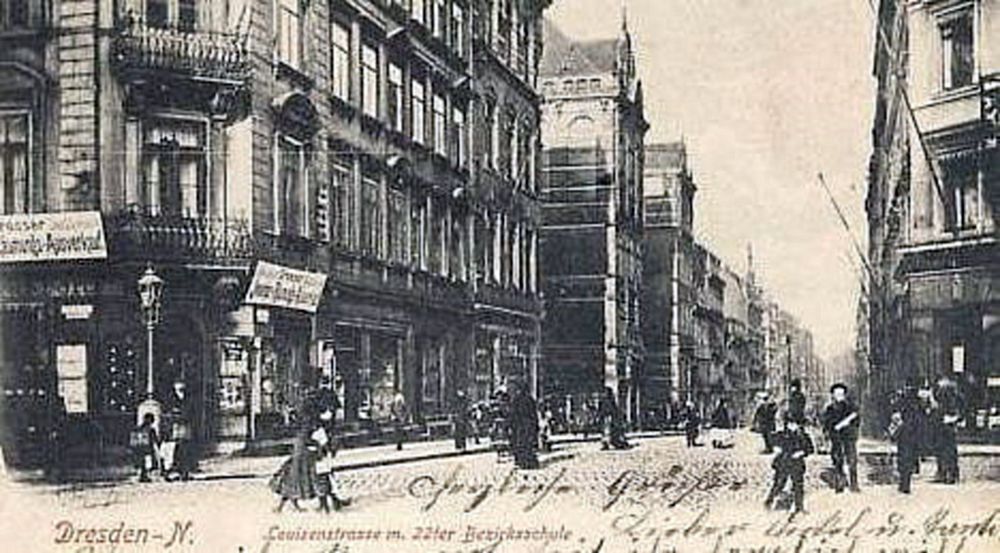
(524,429)
(296,479)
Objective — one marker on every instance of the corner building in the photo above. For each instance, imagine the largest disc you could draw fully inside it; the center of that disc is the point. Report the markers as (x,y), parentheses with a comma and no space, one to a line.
(247,150)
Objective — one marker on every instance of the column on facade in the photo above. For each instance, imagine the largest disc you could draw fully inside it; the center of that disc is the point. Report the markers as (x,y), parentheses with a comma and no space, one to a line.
(133,145)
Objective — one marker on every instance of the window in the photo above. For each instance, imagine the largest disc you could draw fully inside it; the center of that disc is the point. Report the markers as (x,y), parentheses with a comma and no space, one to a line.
(291,206)
(506,143)
(437,239)
(15,163)
(187,15)
(322,226)
(957,51)
(343,213)
(173,168)
(456,257)
(14,13)
(396,97)
(458,29)
(369,81)
(398,241)
(419,111)
(963,197)
(418,11)
(523,156)
(502,44)
(441,19)
(341,36)
(157,13)
(418,205)
(290,32)
(371,216)
(458,131)
(440,141)
(490,144)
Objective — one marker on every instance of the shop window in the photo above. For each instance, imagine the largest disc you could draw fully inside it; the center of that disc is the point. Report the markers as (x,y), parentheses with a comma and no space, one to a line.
(121,362)
(957,50)
(187,15)
(289,21)
(15,163)
(343,187)
(433,378)
(371,216)
(383,375)
(395,99)
(341,36)
(173,168)
(419,110)
(369,80)
(291,206)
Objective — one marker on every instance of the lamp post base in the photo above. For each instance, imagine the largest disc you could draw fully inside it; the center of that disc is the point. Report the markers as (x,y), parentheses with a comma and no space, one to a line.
(149,406)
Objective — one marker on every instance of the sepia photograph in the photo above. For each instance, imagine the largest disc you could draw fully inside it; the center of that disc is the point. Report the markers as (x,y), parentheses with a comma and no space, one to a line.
(500,276)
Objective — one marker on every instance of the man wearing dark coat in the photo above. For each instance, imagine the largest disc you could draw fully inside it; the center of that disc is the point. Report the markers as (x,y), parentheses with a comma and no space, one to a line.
(692,424)
(460,418)
(789,464)
(765,420)
(907,421)
(185,456)
(946,418)
(523,428)
(840,422)
(612,421)
(797,401)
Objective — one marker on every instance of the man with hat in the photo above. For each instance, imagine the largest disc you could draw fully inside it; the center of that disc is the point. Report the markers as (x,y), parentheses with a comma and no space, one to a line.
(840,422)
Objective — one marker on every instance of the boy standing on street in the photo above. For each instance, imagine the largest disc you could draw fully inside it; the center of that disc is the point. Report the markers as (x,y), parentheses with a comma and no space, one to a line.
(789,464)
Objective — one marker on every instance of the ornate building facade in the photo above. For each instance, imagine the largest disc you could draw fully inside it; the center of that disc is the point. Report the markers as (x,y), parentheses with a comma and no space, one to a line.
(326,187)
(591,243)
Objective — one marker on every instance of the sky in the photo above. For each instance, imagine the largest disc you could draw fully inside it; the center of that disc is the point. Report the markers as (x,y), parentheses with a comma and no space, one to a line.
(766,94)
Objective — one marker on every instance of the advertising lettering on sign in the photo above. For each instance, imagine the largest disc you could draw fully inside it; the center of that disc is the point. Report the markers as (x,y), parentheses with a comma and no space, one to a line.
(52,237)
(278,286)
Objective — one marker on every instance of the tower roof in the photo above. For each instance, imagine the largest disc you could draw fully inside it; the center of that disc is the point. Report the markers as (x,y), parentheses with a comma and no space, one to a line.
(564,56)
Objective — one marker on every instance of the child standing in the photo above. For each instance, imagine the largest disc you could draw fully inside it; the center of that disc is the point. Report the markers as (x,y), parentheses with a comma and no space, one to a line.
(145,441)
(789,464)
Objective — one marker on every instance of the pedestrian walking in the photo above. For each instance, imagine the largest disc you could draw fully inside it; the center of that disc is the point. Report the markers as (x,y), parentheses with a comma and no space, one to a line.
(907,420)
(692,424)
(840,423)
(946,418)
(460,420)
(295,480)
(400,415)
(764,421)
(523,428)
(612,422)
(326,483)
(723,424)
(794,446)
(145,442)
(797,402)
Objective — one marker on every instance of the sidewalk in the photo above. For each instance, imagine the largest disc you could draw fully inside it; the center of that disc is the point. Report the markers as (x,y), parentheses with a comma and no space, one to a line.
(870,446)
(239,467)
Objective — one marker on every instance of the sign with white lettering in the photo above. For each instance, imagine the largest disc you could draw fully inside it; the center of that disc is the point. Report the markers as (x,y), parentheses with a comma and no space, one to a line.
(52,237)
(278,286)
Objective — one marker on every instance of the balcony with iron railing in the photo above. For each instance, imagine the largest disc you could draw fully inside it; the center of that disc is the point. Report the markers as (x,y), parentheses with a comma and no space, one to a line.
(206,55)
(134,236)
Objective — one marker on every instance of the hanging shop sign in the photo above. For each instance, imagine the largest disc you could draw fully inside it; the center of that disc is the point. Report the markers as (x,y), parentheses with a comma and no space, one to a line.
(52,237)
(278,286)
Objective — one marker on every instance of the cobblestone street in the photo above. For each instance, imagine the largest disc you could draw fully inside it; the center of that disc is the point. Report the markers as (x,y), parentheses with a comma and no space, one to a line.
(659,475)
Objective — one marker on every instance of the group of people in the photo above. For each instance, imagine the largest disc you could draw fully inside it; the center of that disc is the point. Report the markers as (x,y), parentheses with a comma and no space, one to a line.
(924,423)
(172,452)
(308,473)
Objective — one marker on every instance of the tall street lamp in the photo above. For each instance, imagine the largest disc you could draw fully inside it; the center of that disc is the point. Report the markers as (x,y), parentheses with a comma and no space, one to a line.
(150,297)
(788,371)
